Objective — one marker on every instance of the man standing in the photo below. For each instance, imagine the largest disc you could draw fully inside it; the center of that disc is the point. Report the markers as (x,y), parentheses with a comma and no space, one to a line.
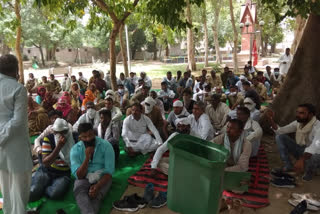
(92,163)
(285,62)
(15,152)
(305,129)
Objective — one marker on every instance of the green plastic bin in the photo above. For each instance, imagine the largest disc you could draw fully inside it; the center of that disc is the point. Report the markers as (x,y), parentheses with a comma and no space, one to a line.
(196,173)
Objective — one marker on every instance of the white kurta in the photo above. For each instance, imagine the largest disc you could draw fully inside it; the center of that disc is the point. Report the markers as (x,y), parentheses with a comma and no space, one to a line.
(85,119)
(218,116)
(202,127)
(15,151)
(285,62)
(135,134)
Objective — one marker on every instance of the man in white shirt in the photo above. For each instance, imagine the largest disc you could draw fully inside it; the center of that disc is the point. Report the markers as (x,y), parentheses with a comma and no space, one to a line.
(66,83)
(133,82)
(183,127)
(200,122)
(252,129)
(15,151)
(217,112)
(166,95)
(136,132)
(305,128)
(146,79)
(285,62)
(171,82)
(115,111)
(32,84)
(91,116)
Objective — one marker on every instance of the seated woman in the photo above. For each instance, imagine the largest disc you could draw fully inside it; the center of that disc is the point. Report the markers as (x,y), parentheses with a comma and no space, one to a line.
(38,119)
(90,96)
(69,114)
(41,91)
(49,102)
(75,96)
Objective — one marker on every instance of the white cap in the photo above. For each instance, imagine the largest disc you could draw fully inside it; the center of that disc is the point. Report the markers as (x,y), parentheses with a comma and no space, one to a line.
(183,121)
(60,125)
(178,103)
(242,77)
(248,100)
(150,101)
(110,94)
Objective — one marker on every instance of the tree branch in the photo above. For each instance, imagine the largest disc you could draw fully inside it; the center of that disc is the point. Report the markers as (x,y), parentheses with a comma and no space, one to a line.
(35,45)
(103,6)
(127,13)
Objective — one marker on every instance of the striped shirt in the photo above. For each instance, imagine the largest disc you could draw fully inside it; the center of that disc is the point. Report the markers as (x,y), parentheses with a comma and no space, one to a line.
(58,166)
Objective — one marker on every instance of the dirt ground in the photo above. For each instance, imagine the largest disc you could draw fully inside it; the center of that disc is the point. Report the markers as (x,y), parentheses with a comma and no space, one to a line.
(278,196)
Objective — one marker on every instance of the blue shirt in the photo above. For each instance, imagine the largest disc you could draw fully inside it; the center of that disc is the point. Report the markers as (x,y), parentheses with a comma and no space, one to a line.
(103,157)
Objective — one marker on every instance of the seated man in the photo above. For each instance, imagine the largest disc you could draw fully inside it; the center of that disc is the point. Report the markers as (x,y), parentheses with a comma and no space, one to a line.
(159,103)
(187,100)
(146,79)
(91,116)
(200,122)
(276,80)
(235,98)
(185,83)
(246,73)
(305,129)
(109,131)
(178,111)
(235,141)
(137,130)
(55,84)
(115,111)
(199,86)
(232,79)
(203,95)
(249,104)
(53,176)
(251,93)
(122,97)
(309,162)
(217,112)
(260,89)
(262,79)
(171,82)
(31,84)
(252,129)
(140,96)
(166,95)
(92,163)
(183,127)
(214,80)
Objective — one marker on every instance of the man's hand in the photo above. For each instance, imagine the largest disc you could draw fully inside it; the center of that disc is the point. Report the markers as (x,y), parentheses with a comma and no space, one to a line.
(62,141)
(93,191)
(299,166)
(89,152)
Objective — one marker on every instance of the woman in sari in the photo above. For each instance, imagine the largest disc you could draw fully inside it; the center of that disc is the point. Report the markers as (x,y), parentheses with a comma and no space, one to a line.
(75,96)
(90,96)
(68,113)
(49,102)
(41,91)
(38,119)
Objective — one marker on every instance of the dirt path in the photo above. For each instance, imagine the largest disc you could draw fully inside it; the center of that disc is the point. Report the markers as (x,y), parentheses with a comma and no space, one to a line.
(278,196)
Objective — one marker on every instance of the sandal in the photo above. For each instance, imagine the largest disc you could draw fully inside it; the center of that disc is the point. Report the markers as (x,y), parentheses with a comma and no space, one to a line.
(295,202)
(309,197)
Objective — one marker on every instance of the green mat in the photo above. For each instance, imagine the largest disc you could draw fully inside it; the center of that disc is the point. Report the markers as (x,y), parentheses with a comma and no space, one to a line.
(124,169)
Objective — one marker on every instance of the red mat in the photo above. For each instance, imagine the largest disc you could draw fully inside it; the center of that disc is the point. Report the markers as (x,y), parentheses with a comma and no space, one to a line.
(256,197)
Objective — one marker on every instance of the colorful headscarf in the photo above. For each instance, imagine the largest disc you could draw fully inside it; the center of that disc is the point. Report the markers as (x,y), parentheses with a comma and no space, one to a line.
(64,106)
(41,93)
(66,96)
(89,96)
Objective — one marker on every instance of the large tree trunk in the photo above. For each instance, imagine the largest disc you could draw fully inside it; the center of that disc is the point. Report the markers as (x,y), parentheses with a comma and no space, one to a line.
(215,29)
(300,25)
(123,52)
(206,39)
(18,40)
(112,51)
(167,50)
(155,50)
(235,38)
(302,81)
(190,44)
(42,57)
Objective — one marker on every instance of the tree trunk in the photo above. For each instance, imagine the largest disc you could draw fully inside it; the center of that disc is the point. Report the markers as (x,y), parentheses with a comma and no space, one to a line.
(18,40)
(155,47)
(273,48)
(123,52)
(302,81)
(265,46)
(191,60)
(167,50)
(42,57)
(206,40)
(300,25)
(215,29)
(112,53)
(235,38)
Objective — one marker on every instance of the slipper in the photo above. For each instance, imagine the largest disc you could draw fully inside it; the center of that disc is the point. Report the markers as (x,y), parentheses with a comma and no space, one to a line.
(309,197)
(295,202)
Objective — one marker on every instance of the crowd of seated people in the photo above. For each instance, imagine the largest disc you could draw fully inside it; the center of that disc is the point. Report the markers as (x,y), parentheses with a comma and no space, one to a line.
(80,123)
